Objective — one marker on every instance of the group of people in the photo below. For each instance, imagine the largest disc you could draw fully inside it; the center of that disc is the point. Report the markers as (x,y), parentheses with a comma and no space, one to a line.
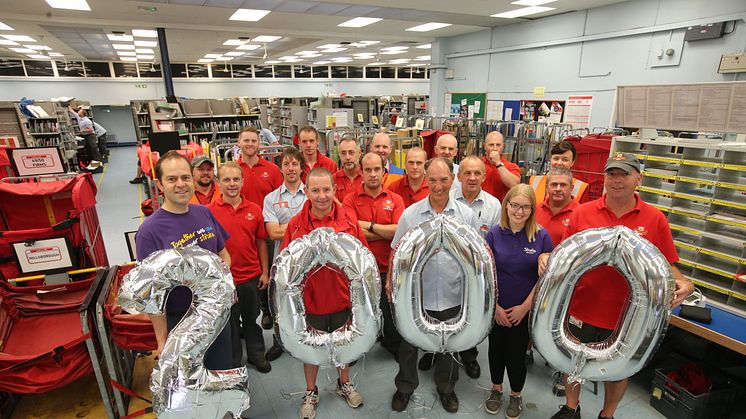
(255,209)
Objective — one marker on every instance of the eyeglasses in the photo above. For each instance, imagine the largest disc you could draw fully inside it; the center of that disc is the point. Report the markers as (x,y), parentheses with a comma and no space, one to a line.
(516,207)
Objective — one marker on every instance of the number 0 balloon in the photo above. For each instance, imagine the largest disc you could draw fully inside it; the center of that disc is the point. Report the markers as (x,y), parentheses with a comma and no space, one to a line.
(182,387)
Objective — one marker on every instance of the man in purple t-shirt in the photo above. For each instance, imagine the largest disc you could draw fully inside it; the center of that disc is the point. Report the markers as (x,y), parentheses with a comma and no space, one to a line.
(179,224)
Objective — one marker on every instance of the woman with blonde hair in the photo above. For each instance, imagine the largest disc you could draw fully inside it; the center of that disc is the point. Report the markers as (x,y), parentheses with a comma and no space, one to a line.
(517,241)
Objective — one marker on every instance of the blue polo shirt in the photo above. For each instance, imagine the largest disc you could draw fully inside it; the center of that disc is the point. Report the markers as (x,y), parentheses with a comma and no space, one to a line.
(517,262)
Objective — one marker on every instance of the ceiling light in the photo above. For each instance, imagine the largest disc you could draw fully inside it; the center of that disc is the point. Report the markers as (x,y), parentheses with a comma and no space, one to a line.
(69,4)
(149,44)
(428,27)
(205,60)
(234,53)
(249,15)
(328,46)
(123,47)
(400,61)
(145,33)
(234,42)
(314,55)
(23,50)
(293,60)
(393,52)
(7,42)
(55,54)
(248,47)
(341,59)
(322,62)
(19,38)
(224,58)
(305,52)
(368,42)
(272,62)
(332,50)
(287,57)
(144,51)
(423,58)
(376,63)
(213,55)
(359,22)
(39,56)
(120,37)
(144,57)
(531,2)
(38,47)
(126,53)
(266,38)
(4,27)
(127,58)
(424,46)
(394,48)
(523,12)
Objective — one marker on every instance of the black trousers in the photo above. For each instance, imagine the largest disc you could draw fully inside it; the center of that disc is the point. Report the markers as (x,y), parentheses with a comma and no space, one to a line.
(264,294)
(391,337)
(243,318)
(91,147)
(101,143)
(217,356)
(446,368)
(507,350)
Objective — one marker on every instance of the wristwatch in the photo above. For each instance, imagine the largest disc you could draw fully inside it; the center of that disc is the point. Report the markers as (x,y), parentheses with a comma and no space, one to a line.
(500,165)
(371,226)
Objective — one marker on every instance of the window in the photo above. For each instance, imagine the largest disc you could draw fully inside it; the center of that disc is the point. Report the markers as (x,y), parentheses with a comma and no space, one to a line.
(70,68)
(149,70)
(39,68)
(283,72)
(372,72)
(404,72)
(196,71)
(240,71)
(355,72)
(178,70)
(97,69)
(222,71)
(388,72)
(11,67)
(302,71)
(321,72)
(263,71)
(339,71)
(125,70)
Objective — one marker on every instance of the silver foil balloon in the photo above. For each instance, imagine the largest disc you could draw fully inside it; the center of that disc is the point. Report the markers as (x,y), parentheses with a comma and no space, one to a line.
(643,324)
(182,387)
(473,323)
(302,256)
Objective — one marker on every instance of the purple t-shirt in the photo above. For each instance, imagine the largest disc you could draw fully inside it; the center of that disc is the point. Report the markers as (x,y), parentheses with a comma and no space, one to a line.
(517,263)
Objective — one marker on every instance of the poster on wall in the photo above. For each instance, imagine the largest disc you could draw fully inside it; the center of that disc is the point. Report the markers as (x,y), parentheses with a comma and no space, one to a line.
(494,110)
(33,161)
(548,111)
(578,111)
(467,105)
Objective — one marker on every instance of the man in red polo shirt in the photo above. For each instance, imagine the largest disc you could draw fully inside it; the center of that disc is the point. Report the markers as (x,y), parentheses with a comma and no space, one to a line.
(326,293)
(260,176)
(501,174)
(348,177)
(601,294)
(206,191)
(554,212)
(309,146)
(378,211)
(248,249)
(412,186)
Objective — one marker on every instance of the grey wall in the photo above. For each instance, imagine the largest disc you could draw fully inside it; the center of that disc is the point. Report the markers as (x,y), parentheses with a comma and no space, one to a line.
(117,120)
(590,52)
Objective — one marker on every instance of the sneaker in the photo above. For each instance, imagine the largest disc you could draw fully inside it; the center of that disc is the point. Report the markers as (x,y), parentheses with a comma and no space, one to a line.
(308,408)
(604,417)
(529,357)
(352,397)
(426,362)
(567,413)
(267,321)
(558,386)
(449,401)
(274,352)
(137,180)
(400,401)
(515,407)
(494,402)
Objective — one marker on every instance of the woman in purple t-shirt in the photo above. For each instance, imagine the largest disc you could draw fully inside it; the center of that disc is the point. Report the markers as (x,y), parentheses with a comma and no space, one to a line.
(517,241)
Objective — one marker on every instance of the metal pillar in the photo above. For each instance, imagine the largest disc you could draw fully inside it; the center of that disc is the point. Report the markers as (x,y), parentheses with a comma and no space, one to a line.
(168,80)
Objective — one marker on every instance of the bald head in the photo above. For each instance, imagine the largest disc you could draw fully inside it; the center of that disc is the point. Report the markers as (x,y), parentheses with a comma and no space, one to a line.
(447,146)
(381,145)
(494,141)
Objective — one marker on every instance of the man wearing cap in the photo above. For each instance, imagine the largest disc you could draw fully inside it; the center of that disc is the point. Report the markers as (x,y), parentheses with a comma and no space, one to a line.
(562,155)
(601,294)
(348,177)
(206,190)
(381,145)
(412,186)
(500,174)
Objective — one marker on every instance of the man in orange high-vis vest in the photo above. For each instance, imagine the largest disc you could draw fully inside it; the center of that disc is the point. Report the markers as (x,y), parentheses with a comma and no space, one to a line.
(563,155)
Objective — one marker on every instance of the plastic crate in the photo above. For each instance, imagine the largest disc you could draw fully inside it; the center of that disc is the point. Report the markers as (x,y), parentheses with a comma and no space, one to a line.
(684,405)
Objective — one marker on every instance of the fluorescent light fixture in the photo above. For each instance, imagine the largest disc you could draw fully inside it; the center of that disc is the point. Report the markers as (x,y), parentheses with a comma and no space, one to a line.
(126,53)
(144,33)
(144,57)
(4,27)
(19,38)
(123,47)
(55,54)
(359,22)
(314,55)
(224,58)
(328,46)
(119,38)
(7,42)
(23,50)
(273,62)
(234,54)
(148,44)
(248,47)
(144,51)
(266,38)
(322,62)
(428,27)
(423,58)
(365,56)
(400,61)
(424,46)
(394,48)
(368,42)
(38,47)
(213,55)
(234,42)
(393,52)
(287,57)
(523,12)
(39,56)
(531,2)
(376,63)
(341,59)
(69,4)
(293,60)
(249,15)
(305,52)
(127,58)
(205,60)
(332,50)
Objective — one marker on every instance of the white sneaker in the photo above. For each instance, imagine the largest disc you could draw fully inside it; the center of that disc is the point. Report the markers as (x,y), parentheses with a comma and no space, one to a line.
(308,408)
(352,397)
(93,165)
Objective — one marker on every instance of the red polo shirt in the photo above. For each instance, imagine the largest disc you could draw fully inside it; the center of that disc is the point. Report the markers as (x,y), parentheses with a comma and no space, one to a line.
(492,183)
(245,225)
(401,187)
(326,290)
(602,293)
(344,184)
(321,161)
(555,224)
(259,180)
(206,199)
(386,208)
